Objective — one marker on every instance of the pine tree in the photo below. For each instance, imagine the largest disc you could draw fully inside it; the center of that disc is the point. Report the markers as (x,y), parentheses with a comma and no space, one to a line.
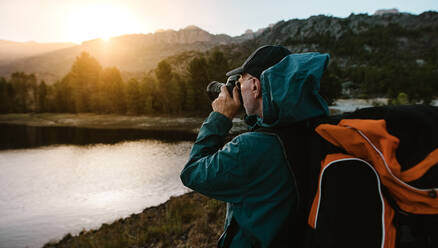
(198,81)
(42,97)
(84,76)
(25,91)
(63,99)
(134,100)
(217,66)
(149,94)
(112,91)
(5,96)
(166,86)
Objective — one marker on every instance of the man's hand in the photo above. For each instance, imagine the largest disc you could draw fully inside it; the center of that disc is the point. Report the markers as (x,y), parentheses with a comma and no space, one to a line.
(226,105)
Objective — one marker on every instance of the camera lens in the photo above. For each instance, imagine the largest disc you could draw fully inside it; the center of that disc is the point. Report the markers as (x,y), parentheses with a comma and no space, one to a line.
(213,90)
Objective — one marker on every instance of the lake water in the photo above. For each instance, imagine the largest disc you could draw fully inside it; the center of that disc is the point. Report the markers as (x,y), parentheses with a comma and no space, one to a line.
(49,191)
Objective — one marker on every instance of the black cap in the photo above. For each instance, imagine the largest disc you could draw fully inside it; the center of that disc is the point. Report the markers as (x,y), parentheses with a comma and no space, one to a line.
(260,60)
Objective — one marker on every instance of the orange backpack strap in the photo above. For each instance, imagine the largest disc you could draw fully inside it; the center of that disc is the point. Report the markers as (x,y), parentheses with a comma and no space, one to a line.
(388,229)
(421,168)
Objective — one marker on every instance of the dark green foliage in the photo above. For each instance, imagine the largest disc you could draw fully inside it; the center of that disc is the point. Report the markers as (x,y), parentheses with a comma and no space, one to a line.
(198,80)
(163,72)
(133,94)
(63,96)
(112,97)
(84,78)
(22,92)
(149,97)
(217,66)
(417,81)
(169,88)
(330,87)
(6,96)
(42,97)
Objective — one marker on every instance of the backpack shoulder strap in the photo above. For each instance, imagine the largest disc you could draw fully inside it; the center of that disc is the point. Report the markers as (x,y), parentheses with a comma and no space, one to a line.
(304,150)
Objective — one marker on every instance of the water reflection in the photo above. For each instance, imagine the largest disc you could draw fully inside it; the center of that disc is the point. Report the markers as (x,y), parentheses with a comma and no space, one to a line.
(21,136)
(50,191)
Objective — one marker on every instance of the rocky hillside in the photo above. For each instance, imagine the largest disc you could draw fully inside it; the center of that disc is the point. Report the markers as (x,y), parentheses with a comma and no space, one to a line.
(306,29)
(410,36)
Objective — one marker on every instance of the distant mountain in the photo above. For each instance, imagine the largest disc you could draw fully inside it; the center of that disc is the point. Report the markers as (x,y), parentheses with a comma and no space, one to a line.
(188,35)
(359,37)
(306,30)
(132,54)
(10,50)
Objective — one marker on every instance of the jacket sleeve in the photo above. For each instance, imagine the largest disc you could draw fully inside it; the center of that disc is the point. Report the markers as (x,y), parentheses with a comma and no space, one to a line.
(213,170)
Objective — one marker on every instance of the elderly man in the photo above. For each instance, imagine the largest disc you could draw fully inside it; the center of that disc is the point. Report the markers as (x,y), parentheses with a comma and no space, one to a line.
(252,173)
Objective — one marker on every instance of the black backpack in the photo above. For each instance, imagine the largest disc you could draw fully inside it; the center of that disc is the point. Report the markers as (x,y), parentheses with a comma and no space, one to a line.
(417,128)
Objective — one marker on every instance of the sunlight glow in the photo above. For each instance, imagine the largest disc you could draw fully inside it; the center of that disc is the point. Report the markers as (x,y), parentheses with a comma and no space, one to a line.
(100,21)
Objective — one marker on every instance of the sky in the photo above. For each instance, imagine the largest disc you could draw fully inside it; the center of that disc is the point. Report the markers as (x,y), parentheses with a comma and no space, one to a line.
(80,20)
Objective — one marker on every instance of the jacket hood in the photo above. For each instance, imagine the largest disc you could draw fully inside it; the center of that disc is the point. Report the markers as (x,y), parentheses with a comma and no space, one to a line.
(290,90)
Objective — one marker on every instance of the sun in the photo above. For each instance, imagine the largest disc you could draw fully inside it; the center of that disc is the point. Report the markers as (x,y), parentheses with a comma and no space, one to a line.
(100,21)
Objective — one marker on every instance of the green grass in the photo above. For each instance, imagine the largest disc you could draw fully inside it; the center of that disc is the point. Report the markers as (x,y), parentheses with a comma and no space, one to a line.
(91,120)
(190,220)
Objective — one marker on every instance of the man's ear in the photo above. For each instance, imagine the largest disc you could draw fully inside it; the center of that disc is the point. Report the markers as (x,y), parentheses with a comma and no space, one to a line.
(257,88)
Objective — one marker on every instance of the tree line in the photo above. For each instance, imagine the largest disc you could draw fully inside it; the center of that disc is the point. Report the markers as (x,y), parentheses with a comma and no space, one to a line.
(88,87)
(177,85)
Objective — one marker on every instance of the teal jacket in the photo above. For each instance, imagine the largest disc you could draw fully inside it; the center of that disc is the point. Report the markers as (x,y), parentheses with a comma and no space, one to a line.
(251,172)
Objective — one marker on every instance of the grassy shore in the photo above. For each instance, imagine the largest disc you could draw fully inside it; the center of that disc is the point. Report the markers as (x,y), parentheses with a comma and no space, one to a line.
(91,120)
(190,220)
(112,121)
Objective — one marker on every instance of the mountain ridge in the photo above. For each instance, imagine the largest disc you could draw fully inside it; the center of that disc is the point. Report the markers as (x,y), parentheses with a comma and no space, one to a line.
(139,53)
(12,50)
(130,53)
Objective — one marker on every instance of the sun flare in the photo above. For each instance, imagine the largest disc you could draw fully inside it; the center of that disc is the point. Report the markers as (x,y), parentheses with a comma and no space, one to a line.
(100,21)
